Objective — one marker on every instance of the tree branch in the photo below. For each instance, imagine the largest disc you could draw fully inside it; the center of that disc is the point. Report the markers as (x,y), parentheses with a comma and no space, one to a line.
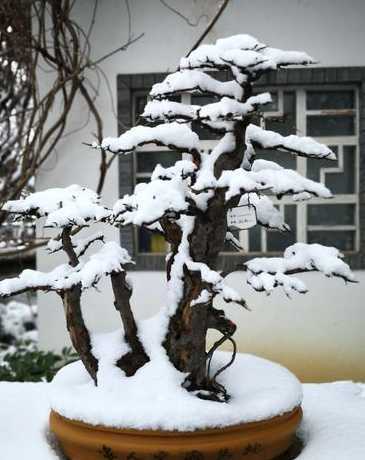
(137,357)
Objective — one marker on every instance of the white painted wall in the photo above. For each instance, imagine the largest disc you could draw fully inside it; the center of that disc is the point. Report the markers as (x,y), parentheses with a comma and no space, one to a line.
(320,335)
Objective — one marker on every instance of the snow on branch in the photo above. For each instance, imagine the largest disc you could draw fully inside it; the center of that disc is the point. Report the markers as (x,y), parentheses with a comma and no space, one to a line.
(244,53)
(163,110)
(210,56)
(109,259)
(216,283)
(173,135)
(266,273)
(302,146)
(282,181)
(182,169)
(238,182)
(269,176)
(151,201)
(79,245)
(241,42)
(62,207)
(205,176)
(226,109)
(195,81)
(284,58)
(229,109)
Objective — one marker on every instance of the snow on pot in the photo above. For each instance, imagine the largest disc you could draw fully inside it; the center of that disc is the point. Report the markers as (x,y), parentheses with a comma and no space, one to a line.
(152,413)
(173,381)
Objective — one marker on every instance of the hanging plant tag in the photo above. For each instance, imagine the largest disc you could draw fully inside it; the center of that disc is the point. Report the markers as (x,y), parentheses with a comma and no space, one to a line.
(242,217)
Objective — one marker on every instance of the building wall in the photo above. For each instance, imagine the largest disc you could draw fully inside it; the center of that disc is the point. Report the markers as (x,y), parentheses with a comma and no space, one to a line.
(320,335)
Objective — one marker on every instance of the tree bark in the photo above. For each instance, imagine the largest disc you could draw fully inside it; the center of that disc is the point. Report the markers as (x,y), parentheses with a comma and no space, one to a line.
(185,341)
(71,298)
(137,357)
(79,334)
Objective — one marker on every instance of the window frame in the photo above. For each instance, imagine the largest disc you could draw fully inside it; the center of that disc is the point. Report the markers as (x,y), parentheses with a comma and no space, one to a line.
(300,79)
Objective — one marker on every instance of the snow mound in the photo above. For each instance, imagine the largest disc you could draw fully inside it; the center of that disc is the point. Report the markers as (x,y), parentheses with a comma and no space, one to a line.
(154,399)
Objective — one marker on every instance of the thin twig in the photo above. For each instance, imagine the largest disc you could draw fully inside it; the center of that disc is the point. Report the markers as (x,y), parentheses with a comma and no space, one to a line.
(210,26)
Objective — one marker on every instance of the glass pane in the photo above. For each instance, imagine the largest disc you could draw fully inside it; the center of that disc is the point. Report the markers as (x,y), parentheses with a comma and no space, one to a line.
(286,124)
(150,242)
(254,239)
(146,161)
(284,159)
(330,125)
(331,214)
(342,240)
(340,183)
(279,241)
(204,133)
(344,182)
(330,100)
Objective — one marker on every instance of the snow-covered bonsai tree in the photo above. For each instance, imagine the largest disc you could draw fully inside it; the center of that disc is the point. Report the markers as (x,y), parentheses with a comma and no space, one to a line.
(187,204)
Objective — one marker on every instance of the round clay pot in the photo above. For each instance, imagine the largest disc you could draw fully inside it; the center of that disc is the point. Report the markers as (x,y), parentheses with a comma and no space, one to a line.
(263,440)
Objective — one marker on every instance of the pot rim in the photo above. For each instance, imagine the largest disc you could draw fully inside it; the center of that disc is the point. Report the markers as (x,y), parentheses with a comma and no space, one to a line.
(297,412)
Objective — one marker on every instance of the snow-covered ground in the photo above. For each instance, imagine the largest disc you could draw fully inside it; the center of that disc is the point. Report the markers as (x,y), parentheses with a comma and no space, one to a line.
(333,427)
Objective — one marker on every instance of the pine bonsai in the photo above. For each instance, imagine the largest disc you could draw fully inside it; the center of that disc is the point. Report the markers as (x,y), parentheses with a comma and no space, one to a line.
(187,204)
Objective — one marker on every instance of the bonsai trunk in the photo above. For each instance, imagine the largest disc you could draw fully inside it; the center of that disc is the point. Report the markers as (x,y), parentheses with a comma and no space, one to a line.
(185,341)
(79,334)
(137,357)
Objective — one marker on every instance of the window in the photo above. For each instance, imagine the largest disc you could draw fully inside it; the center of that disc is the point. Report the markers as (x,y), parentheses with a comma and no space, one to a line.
(329,115)
(322,103)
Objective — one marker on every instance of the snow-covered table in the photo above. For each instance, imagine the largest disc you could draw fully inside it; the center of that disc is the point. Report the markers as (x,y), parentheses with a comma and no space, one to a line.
(332,429)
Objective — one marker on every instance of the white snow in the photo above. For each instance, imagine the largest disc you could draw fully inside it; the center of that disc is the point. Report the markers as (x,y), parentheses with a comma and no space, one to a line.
(154,397)
(241,41)
(216,282)
(204,56)
(230,109)
(268,282)
(332,426)
(195,81)
(169,110)
(151,201)
(182,168)
(247,61)
(73,205)
(239,181)
(24,421)
(302,145)
(14,316)
(242,52)
(205,175)
(334,421)
(283,58)
(265,273)
(175,286)
(176,135)
(225,109)
(270,177)
(110,258)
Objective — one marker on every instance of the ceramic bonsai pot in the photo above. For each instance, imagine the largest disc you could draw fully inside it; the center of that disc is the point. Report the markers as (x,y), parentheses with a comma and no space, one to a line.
(262,440)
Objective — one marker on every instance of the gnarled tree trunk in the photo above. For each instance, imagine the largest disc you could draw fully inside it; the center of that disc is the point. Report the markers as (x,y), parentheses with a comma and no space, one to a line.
(185,341)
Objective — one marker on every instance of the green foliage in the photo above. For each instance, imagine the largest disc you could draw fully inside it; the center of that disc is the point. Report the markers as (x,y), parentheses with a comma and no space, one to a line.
(31,365)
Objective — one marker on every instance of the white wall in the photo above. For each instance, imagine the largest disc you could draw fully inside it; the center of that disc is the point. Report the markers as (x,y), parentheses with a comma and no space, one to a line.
(318,335)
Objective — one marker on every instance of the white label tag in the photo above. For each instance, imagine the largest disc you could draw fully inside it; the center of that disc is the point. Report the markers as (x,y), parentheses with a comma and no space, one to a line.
(242,217)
